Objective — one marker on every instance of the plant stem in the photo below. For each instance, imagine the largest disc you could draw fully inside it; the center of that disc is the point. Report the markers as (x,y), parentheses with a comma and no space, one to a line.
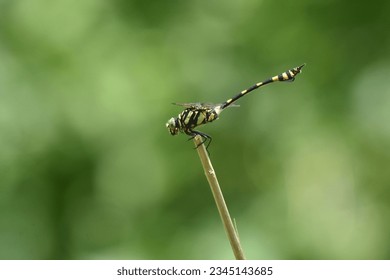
(219,200)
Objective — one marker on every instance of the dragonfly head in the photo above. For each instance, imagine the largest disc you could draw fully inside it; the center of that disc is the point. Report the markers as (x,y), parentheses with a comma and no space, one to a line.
(172,126)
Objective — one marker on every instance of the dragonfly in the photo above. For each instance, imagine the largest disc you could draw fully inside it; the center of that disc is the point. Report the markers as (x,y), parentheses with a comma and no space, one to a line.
(196,114)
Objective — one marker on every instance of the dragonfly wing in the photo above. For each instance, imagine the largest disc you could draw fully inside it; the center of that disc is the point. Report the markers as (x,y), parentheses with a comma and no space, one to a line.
(232,105)
(189,105)
(199,105)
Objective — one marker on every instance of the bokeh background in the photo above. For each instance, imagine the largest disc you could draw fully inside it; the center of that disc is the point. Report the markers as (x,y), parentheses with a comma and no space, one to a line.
(89,171)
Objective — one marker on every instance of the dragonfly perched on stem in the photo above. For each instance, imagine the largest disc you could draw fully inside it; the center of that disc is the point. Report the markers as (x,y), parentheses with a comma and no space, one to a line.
(196,114)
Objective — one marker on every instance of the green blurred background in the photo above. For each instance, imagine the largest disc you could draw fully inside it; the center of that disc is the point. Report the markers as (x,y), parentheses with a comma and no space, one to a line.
(89,171)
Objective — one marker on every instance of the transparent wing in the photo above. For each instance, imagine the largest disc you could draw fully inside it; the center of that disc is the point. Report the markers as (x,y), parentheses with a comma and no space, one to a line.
(199,105)
(196,105)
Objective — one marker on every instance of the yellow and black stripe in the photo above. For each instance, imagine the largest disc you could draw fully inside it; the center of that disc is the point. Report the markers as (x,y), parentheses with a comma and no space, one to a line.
(289,75)
(193,116)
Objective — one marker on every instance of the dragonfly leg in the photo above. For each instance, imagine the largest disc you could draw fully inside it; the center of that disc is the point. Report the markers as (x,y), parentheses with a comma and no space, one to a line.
(204,136)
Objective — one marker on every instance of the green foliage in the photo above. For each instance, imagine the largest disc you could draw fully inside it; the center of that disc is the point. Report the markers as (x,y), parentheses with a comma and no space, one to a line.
(88,170)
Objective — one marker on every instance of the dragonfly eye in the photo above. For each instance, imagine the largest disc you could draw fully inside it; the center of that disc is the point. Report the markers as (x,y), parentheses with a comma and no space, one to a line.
(172,128)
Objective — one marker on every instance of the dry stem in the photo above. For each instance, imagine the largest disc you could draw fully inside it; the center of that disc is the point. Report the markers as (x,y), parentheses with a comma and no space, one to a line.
(219,200)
